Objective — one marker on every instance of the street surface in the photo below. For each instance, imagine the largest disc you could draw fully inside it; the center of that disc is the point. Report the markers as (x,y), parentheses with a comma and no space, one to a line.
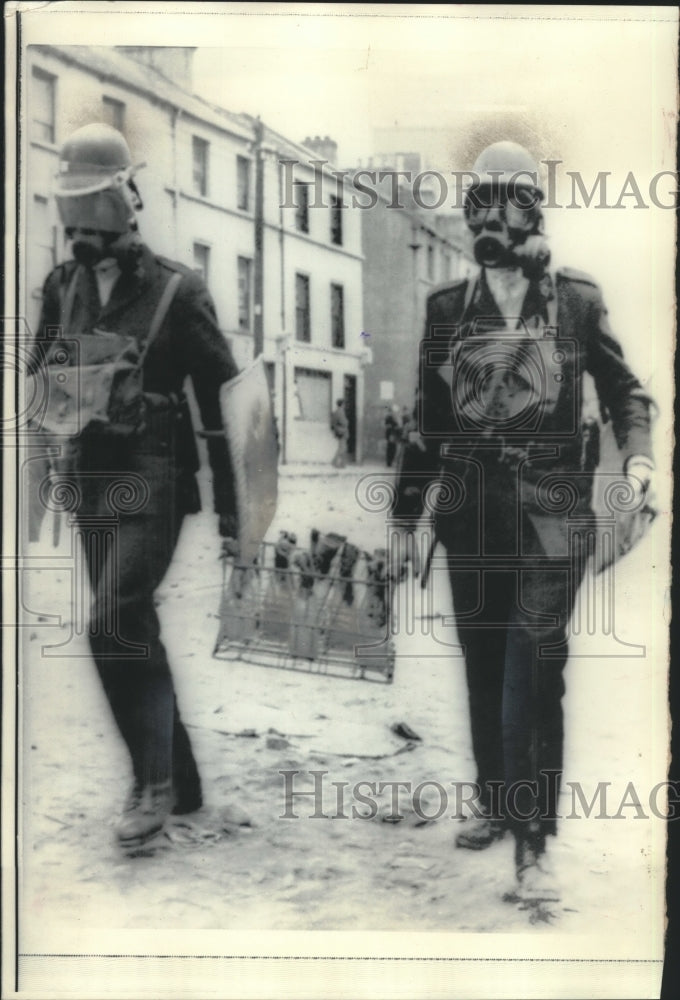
(248,723)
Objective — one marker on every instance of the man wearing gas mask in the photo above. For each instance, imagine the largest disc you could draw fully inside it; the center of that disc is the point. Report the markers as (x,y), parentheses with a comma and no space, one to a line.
(499,411)
(116,295)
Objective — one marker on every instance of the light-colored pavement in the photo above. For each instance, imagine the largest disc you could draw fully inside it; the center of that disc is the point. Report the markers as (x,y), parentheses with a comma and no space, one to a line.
(341,869)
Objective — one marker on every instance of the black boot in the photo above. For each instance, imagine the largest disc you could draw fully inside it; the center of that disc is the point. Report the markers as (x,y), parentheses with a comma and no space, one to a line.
(480,832)
(144,814)
(535,878)
(186,782)
(188,798)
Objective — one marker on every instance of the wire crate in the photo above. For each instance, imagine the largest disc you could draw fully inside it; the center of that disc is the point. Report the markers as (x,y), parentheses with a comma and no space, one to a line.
(329,619)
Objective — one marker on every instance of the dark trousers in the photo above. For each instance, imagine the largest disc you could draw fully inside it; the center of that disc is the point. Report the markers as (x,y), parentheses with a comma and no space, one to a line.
(126,560)
(512,623)
(390,452)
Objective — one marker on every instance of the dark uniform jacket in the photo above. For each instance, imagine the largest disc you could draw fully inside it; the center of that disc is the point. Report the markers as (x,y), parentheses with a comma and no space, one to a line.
(188,343)
(532,454)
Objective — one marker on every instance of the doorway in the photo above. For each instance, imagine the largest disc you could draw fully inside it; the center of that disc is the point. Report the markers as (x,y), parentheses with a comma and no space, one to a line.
(350,396)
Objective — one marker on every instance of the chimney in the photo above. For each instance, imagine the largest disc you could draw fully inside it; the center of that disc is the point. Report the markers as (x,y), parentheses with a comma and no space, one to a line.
(174,62)
(325,148)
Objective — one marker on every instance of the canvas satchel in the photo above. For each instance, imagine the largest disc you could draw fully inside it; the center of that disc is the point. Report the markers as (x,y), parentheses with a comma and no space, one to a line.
(96,382)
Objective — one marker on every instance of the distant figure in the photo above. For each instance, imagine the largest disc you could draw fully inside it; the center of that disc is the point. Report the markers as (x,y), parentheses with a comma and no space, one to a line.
(407,421)
(408,424)
(340,428)
(392,434)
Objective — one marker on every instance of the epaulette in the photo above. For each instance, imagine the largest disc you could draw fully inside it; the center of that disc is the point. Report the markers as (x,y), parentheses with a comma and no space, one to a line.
(61,274)
(571,274)
(173,265)
(66,267)
(447,286)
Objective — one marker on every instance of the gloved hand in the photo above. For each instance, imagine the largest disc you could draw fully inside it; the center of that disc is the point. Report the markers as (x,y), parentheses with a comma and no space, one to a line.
(404,550)
(639,473)
(228,526)
(228,529)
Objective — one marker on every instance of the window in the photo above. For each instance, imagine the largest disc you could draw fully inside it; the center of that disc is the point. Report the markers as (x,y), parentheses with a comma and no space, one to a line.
(336,220)
(446,266)
(302,207)
(302,325)
(313,390)
(45,239)
(430,262)
(242,183)
(337,316)
(270,372)
(202,260)
(244,292)
(200,165)
(43,105)
(113,113)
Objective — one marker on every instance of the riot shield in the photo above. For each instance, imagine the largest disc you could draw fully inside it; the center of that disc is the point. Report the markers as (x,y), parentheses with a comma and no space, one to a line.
(249,421)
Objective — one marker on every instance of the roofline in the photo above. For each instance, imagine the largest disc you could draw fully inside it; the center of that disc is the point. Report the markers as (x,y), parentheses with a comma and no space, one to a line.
(329,169)
(116,77)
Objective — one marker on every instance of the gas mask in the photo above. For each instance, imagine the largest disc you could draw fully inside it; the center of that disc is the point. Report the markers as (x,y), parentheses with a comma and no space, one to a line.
(507,226)
(91,247)
(101,225)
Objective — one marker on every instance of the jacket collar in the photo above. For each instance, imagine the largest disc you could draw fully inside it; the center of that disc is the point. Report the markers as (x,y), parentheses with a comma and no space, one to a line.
(539,293)
(131,285)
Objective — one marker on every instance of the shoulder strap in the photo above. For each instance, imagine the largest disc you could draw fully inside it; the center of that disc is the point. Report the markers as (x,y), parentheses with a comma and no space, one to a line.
(157,319)
(552,302)
(68,298)
(470,290)
(159,315)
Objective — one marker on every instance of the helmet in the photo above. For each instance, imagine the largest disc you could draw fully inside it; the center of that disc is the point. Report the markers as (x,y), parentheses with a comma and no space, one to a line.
(95,187)
(94,158)
(507,165)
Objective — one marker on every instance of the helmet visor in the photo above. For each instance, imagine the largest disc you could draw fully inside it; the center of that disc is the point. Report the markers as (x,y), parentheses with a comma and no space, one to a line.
(105,211)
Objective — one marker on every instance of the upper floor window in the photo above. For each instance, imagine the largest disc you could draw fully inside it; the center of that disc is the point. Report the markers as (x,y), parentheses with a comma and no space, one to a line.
(302,207)
(242,183)
(113,113)
(336,220)
(337,316)
(199,150)
(46,239)
(202,260)
(303,330)
(430,262)
(43,105)
(446,266)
